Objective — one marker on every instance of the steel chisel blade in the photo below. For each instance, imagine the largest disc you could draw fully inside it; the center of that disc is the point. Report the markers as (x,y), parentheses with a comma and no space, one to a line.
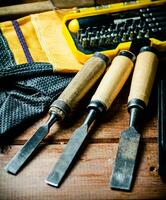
(125,160)
(59,170)
(21,157)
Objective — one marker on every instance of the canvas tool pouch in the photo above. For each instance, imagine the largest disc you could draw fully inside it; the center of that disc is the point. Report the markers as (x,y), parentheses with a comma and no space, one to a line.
(35,66)
(44,41)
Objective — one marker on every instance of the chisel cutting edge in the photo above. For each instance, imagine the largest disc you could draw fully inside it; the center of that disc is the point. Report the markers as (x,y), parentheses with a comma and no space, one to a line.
(141,85)
(105,94)
(92,70)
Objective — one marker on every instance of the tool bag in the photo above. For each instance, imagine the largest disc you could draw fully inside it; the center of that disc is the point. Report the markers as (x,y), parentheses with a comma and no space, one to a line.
(39,38)
(26,90)
(36,64)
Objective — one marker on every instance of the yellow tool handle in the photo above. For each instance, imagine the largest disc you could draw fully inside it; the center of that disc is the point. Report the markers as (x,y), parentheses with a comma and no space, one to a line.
(81,84)
(144,75)
(114,78)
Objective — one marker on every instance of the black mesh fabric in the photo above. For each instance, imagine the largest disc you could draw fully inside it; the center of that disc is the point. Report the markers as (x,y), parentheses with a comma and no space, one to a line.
(26,90)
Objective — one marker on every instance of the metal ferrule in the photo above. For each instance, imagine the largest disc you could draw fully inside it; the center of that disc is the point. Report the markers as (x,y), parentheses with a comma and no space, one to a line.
(103,57)
(136,108)
(60,108)
(128,54)
(136,103)
(148,48)
(98,106)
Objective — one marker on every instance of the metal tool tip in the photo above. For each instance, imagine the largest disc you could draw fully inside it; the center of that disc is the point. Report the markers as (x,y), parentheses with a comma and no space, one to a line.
(120,181)
(58,172)
(52,183)
(10,170)
(125,161)
(117,187)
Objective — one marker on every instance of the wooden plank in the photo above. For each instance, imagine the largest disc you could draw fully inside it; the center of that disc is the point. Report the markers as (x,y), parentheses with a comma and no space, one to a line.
(15,11)
(8,2)
(88,178)
(28,7)
(82,3)
(65,4)
(73,3)
(12,10)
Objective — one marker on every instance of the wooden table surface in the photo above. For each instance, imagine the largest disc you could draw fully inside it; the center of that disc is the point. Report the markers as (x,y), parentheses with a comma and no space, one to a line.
(90,175)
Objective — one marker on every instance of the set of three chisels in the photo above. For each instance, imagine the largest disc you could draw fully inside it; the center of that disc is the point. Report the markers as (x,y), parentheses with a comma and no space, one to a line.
(140,54)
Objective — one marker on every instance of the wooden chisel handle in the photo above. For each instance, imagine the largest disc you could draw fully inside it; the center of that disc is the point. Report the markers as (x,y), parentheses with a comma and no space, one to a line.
(114,79)
(144,75)
(80,85)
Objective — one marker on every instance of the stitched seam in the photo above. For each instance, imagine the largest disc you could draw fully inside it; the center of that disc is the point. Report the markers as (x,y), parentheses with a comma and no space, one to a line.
(41,39)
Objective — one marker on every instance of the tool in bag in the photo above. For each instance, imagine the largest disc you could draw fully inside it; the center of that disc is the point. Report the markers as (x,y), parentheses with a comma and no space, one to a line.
(141,85)
(108,89)
(113,27)
(60,108)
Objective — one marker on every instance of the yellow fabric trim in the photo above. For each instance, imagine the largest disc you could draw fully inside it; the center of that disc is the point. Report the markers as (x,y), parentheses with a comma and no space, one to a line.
(31,40)
(49,32)
(13,42)
(44,38)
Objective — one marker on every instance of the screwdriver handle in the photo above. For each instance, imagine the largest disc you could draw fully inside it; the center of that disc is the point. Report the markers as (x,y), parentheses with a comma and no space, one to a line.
(144,75)
(114,79)
(80,84)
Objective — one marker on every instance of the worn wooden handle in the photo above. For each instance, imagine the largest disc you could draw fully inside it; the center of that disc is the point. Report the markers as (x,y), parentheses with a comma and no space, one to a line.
(80,85)
(83,81)
(113,80)
(143,76)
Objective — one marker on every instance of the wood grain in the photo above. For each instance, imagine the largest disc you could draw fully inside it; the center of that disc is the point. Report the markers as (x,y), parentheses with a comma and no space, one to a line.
(113,80)
(26,7)
(88,178)
(143,76)
(73,3)
(15,11)
(90,175)
(83,81)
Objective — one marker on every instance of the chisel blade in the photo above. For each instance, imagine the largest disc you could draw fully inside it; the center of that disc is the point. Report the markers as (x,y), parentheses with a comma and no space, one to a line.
(59,170)
(26,151)
(125,160)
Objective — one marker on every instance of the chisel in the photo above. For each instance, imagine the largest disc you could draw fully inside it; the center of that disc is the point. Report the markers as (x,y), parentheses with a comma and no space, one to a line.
(141,85)
(92,70)
(106,92)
